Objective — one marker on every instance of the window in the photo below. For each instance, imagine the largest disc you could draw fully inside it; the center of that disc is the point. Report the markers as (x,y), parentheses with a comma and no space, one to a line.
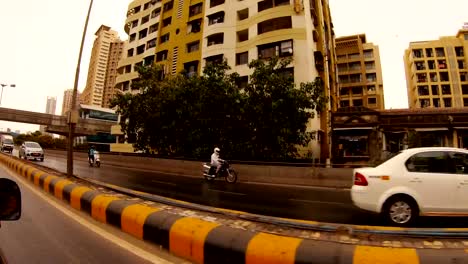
(145,19)
(368,54)
(242,58)
(134,23)
(274,24)
(166,22)
(465,89)
(194,26)
(143,33)
(195,9)
(430,162)
(155,12)
(465,101)
(242,82)
(463,76)
(436,102)
(136,9)
(243,35)
(369,65)
(243,14)
(344,91)
(214,59)
(422,77)
(433,77)
(146,6)
(371,77)
(193,46)
(132,37)
(281,49)
(448,102)
(370,89)
(444,76)
(214,3)
(424,103)
(161,56)
(461,64)
(164,38)
(128,68)
(168,6)
(459,51)
(446,89)
(440,52)
(431,64)
(356,90)
(429,52)
(216,18)
(141,49)
(423,90)
(372,101)
(344,103)
(148,60)
(435,89)
(418,53)
(191,68)
(215,39)
(460,161)
(357,102)
(267,4)
(420,66)
(130,53)
(153,28)
(465,36)
(150,44)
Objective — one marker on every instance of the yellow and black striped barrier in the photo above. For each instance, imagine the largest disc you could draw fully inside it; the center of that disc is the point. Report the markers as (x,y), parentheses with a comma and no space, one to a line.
(202,241)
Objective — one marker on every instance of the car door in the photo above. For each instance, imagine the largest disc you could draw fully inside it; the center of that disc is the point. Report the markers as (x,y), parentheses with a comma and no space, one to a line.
(460,160)
(431,177)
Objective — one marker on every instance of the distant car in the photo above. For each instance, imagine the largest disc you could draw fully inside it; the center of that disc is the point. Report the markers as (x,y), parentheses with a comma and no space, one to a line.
(31,150)
(418,181)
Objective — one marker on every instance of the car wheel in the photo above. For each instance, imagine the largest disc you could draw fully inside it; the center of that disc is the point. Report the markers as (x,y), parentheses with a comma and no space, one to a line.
(401,210)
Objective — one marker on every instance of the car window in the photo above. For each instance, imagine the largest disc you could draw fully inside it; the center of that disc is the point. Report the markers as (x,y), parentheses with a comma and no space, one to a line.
(461,162)
(431,162)
(8,141)
(32,145)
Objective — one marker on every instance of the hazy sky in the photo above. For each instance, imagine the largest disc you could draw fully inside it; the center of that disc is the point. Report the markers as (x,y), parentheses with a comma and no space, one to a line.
(39,41)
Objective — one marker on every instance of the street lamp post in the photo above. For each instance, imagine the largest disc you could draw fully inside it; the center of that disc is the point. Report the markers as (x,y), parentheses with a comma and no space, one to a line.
(73,114)
(4,85)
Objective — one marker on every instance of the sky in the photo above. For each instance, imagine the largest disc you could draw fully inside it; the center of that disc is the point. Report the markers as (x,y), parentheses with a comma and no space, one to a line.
(39,42)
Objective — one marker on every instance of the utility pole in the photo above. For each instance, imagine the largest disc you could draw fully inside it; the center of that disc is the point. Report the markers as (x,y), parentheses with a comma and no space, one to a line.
(73,114)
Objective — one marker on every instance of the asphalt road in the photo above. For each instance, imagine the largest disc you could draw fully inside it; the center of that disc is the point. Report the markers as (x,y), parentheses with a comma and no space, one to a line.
(46,234)
(308,203)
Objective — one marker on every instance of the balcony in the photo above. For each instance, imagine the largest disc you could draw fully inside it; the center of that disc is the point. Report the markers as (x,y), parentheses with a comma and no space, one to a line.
(274,24)
(267,4)
(216,18)
(280,49)
(195,9)
(194,26)
(215,39)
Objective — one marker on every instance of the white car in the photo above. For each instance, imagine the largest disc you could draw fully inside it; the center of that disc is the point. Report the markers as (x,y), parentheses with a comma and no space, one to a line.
(419,181)
(31,150)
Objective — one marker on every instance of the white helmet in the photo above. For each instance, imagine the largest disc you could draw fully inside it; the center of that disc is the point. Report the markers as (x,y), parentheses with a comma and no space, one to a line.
(217,150)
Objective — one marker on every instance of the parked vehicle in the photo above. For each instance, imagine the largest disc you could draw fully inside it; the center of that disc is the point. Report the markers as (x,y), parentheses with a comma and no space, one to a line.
(226,171)
(31,150)
(418,181)
(97,160)
(6,143)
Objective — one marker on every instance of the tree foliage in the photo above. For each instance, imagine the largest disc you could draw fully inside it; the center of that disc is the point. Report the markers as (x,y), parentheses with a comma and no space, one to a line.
(46,141)
(188,116)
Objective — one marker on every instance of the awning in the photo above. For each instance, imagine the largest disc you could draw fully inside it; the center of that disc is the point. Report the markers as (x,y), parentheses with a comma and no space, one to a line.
(431,129)
(352,128)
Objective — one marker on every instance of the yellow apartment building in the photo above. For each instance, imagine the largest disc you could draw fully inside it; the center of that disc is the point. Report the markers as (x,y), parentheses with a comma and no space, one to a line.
(437,73)
(359,73)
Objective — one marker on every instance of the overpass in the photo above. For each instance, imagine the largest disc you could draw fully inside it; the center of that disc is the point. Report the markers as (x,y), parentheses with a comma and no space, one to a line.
(54,123)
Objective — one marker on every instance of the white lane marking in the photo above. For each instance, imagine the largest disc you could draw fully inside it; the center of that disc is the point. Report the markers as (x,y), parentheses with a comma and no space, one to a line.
(161,182)
(235,193)
(84,222)
(315,202)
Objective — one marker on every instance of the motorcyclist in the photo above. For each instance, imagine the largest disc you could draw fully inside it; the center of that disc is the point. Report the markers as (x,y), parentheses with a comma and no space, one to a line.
(215,160)
(91,152)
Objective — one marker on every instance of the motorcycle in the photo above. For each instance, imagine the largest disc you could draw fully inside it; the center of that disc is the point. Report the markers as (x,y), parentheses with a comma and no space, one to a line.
(226,171)
(97,160)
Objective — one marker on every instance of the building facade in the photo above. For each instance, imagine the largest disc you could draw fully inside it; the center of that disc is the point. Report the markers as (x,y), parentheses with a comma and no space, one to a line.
(183,36)
(360,74)
(437,72)
(115,54)
(50,109)
(102,66)
(67,101)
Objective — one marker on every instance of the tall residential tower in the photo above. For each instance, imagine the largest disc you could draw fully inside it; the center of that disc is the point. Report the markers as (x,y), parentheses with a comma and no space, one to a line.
(50,109)
(437,72)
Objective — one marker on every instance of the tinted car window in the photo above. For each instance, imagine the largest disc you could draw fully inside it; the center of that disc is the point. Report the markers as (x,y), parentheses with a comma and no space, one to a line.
(431,162)
(460,161)
(32,145)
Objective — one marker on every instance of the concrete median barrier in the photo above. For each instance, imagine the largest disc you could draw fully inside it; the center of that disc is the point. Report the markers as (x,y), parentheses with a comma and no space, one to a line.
(272,174)
(202,241)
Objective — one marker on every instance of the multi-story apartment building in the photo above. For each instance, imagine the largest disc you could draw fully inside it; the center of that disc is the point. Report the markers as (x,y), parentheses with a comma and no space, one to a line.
(359,73)
(50,109)
(107,49)
(185,35)
(437,72)
(67,100)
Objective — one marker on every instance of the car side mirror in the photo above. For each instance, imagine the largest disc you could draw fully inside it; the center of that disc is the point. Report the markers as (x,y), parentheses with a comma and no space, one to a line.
(10,200)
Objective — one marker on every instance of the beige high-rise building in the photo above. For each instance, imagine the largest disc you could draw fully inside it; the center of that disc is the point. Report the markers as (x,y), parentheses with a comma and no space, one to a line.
(50,109)
(436,72)
(360,74)
(67,100)
(115,54)
(102,67)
